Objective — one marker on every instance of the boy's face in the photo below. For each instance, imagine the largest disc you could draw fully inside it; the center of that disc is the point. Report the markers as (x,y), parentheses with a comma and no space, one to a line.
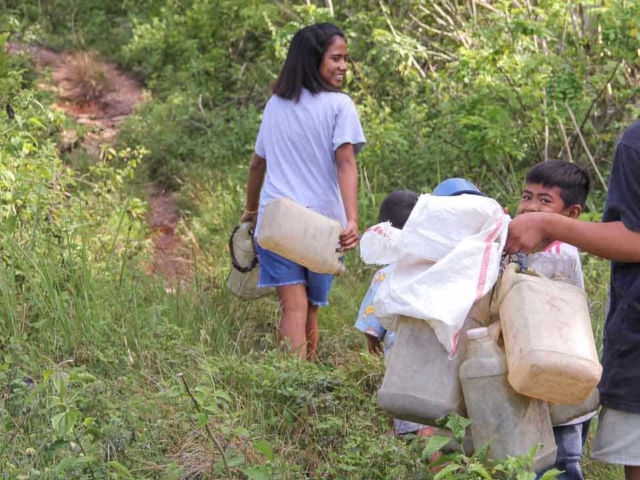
(538,198)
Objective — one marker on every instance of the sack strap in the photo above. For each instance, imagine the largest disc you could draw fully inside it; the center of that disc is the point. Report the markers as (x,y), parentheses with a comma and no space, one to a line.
(234,261)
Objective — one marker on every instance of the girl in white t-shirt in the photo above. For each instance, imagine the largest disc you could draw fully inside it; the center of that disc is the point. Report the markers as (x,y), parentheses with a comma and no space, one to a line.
(306,151)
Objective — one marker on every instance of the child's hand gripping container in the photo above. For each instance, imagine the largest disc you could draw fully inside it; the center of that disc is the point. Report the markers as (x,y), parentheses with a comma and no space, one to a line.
(548,338)
(302,236)
(245,269)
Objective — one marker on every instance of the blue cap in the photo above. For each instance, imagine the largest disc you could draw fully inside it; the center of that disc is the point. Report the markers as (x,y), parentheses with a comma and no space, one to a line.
(455,186)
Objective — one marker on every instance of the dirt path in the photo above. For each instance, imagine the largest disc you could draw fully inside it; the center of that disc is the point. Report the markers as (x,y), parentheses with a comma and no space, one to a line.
(100,97)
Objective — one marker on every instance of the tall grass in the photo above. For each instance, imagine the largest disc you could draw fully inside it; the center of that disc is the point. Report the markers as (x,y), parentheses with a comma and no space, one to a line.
(63,311)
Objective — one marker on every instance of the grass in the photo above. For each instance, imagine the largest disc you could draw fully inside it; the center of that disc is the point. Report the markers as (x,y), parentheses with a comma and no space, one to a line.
(85,79)
(89,365)
(94,352)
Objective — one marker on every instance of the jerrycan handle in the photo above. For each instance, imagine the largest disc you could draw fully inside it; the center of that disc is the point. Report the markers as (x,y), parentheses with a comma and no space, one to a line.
(234,260)
(341,266)
(520,259)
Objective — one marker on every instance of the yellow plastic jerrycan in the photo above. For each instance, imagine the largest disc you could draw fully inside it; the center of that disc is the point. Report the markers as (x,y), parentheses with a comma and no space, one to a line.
(548,338)
(301,235)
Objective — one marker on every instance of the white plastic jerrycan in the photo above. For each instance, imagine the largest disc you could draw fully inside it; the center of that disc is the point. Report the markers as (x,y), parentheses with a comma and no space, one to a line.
(512,423)
(561,414)
(301,235)
(245,268)
(421,382)
(548,338)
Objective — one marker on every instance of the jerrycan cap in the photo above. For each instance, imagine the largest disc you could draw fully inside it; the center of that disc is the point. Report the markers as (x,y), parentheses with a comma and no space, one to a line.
(477,333)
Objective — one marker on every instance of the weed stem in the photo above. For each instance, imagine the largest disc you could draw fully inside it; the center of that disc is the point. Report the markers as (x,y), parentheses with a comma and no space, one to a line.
(213,439)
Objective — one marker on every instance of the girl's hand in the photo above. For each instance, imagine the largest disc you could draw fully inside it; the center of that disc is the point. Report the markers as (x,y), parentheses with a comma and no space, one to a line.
(374,344)
(249,217)
(350,237)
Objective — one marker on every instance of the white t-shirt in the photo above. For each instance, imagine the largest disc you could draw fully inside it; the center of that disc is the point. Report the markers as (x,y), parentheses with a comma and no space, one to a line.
(298,140)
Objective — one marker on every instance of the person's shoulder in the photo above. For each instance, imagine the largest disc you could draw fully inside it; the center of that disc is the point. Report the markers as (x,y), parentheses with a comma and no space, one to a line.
(339,99)
(631,136)
(274,101)
(344,99)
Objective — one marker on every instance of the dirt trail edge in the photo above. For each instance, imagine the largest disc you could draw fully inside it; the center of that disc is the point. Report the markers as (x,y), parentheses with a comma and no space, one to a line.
(100,97)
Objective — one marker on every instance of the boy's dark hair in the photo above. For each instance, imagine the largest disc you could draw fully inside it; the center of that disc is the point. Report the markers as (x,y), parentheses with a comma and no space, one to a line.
(302,66)
(397,206)
(572,180)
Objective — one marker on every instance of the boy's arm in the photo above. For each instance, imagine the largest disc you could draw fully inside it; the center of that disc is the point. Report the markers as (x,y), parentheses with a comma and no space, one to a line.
(611,240)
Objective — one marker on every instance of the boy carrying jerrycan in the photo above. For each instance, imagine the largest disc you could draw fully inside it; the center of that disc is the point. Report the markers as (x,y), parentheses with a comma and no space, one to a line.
(617,238)
(467,235)
(561,187)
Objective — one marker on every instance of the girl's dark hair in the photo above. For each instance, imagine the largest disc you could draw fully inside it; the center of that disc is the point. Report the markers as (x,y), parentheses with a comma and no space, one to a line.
(572,180)
(397,206)
(302,66)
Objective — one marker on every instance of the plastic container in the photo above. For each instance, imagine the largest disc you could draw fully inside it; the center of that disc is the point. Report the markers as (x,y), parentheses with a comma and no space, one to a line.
(552,264)
(301,235)
(513,423)
(480,311)
(548,338)
(561,414)
(245,268)
(421,382)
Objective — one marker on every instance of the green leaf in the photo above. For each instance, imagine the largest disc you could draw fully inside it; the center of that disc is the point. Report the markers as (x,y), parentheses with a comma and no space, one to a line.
(60,381)
(202,418)
(257,473)
(236,461)
(446,471)
(480,470)
(71,462)
(56,447)
(551,474)
(119,469)
(526,476)
(83,377)
(222,394)
(434,444)
(36,122)
(212,408)
(265,448)
(456,424)
(64,422)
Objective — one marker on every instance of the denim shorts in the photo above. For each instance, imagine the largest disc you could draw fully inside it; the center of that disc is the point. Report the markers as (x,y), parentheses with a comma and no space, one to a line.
(277,271)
